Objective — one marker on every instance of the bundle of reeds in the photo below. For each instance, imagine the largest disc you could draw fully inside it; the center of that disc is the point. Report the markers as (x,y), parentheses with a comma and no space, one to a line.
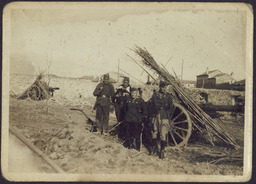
(201,121)
(225,156)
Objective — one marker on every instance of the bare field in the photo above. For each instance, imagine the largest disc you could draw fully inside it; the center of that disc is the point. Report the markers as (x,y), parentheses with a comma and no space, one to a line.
(64,136)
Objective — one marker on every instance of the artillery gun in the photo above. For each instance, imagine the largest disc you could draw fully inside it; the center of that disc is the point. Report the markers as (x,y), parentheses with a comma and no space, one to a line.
(187,113)
(39,90)
(181,126)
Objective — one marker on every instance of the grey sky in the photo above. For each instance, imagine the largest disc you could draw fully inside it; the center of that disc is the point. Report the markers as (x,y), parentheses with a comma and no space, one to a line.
(90,40)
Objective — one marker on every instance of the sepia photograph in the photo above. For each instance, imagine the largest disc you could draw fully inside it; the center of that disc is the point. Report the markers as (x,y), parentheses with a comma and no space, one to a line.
(127,91)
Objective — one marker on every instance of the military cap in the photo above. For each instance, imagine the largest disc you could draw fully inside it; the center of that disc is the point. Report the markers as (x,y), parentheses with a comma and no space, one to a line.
(126,79)
(162,84)
(106,76)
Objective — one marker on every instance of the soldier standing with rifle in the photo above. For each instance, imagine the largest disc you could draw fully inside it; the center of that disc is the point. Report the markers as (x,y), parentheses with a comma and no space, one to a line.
(104,93)
(162,105)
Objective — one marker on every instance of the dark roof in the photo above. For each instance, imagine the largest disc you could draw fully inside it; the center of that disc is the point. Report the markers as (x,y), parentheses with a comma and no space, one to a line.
(241,82)
(219,75)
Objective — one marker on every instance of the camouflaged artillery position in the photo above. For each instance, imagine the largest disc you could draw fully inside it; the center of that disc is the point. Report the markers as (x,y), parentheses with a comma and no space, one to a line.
(39,90)
(187,115)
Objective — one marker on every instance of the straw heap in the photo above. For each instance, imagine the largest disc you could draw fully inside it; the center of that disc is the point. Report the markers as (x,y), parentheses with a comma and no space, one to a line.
(201,121)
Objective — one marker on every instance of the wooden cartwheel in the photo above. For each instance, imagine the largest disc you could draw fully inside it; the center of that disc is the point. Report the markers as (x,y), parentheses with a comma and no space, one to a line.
(34,93)
(180,127)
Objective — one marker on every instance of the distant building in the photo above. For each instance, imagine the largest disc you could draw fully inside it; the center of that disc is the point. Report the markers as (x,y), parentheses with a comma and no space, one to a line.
(239,85)
(87,77)
(202,79)
(213,79)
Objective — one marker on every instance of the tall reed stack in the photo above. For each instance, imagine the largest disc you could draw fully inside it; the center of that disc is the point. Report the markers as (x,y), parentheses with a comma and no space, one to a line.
(207,126)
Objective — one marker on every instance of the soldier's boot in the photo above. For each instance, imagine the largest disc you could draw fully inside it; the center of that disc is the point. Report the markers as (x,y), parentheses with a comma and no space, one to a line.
(134,143)
(99,130)
(150,150)
(137,144)
(154,147)
(161,153)
(130,143)
(93,128)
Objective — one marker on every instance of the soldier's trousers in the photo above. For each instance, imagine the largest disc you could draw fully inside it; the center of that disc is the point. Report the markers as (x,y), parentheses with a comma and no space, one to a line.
(102,117)
(133,131)
(120,114)
(161,126)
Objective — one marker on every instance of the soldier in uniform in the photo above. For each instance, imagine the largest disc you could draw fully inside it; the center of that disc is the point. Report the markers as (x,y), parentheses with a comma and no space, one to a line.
(122,92)
(104,93)
(162,105)
(135,113)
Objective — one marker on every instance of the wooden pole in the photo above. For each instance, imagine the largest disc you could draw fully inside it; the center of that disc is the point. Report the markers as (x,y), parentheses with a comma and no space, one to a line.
(16,132)
(182,70)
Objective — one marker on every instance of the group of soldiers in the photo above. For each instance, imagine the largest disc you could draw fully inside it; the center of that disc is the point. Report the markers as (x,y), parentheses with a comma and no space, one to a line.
(132,113)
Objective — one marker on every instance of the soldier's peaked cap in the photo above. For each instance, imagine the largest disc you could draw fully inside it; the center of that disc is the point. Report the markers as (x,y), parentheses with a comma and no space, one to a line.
(162,84)
(106,76)
(126,79)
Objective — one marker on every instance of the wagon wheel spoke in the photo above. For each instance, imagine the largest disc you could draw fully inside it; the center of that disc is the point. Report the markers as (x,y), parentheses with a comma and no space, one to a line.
(179,135)
(173,139)
(181,128)
(172,111)
(34,92)
(183,133)
(177,116)
(179,122)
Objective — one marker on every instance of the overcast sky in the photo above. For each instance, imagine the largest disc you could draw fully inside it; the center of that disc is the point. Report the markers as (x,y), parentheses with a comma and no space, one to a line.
(90,40)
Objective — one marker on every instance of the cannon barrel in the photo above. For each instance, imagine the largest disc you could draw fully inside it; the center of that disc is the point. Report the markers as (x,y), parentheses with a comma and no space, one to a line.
(51,89)
(227,108)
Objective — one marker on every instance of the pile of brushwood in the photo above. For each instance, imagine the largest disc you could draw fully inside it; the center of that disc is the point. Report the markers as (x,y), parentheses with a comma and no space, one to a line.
(39,90)
(209,128)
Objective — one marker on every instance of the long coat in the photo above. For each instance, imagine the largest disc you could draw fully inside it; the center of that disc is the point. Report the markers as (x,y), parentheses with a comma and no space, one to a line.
(161,103)
(104,94)
(135,110)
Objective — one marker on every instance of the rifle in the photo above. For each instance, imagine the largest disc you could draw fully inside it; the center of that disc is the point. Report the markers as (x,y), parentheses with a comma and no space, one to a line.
(114,127)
